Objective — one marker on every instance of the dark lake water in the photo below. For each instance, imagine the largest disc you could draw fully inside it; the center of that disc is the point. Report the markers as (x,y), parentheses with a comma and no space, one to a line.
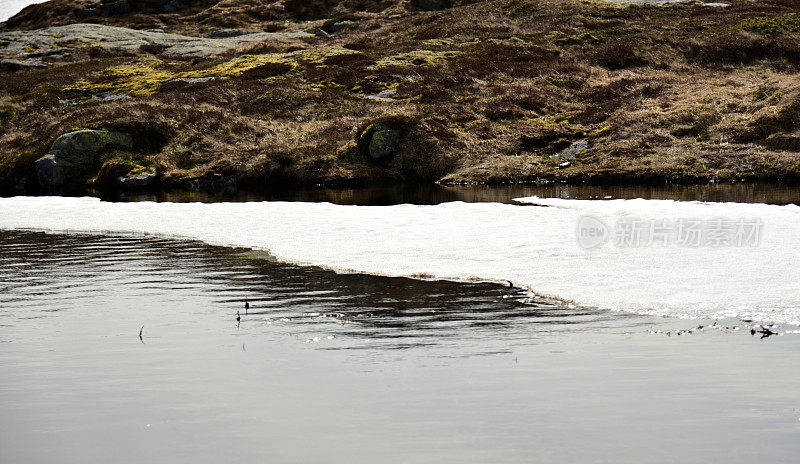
(433,194)
(357,368)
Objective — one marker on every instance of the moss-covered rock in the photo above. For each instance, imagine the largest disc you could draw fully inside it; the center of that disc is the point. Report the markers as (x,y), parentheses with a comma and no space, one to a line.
(73,156)
(384,143)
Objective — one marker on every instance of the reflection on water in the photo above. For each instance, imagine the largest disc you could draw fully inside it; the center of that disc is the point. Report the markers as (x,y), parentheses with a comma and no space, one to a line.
(43,274)
(434,194)
(354,368)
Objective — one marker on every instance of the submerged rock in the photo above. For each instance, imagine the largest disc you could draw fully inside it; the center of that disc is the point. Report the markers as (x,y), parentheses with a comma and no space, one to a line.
(73,155)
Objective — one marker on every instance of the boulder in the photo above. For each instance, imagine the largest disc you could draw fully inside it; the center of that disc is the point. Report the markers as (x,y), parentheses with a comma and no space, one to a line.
(569,153)
(137,182)
(384,144)
(73,156)
(384,96)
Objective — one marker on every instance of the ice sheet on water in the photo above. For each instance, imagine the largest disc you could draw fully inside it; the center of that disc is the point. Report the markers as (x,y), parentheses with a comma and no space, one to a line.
(532,244)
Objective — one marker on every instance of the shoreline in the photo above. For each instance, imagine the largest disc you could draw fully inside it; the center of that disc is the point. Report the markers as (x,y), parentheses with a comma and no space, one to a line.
(738,192)
(485,241)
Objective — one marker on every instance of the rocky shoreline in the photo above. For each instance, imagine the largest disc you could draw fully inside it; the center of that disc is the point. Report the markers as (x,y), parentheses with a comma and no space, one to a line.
(220,96)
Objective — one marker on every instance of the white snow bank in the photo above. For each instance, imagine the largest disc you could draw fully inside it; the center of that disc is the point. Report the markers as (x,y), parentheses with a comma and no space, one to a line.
(532,245)
(9,8)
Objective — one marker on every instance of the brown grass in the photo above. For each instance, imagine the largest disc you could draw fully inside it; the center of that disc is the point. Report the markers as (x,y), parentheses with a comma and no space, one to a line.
(680,93)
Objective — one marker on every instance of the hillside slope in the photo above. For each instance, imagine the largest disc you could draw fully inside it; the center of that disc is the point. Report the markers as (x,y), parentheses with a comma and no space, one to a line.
(367,92)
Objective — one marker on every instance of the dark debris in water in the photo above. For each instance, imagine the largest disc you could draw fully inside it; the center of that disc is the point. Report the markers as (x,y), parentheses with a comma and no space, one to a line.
(765,330)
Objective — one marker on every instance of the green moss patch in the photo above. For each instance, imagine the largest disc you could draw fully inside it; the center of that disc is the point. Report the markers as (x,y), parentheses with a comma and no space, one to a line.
(773,24)
(146,76)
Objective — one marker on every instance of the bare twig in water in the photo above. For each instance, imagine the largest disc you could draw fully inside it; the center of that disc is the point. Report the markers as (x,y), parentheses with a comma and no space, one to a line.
(140,334)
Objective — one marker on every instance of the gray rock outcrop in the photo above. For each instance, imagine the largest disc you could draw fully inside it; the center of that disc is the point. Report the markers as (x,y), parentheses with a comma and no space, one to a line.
(20,44)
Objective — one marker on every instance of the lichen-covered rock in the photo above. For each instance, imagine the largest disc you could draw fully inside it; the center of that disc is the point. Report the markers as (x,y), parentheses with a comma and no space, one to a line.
(137,182)
(73,155)
(19,43)
(569,153)
(384,143)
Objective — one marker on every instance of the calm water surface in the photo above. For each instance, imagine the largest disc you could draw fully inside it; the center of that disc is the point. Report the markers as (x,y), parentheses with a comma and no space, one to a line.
(356,368)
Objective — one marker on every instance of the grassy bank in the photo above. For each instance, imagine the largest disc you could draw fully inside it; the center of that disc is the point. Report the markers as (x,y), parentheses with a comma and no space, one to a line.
(485,91)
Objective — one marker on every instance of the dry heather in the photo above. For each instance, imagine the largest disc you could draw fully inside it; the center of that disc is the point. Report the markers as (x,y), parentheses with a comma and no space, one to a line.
(486,91)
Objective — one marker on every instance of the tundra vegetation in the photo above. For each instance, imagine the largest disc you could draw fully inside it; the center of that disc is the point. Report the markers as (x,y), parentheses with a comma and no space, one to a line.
(386,91)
